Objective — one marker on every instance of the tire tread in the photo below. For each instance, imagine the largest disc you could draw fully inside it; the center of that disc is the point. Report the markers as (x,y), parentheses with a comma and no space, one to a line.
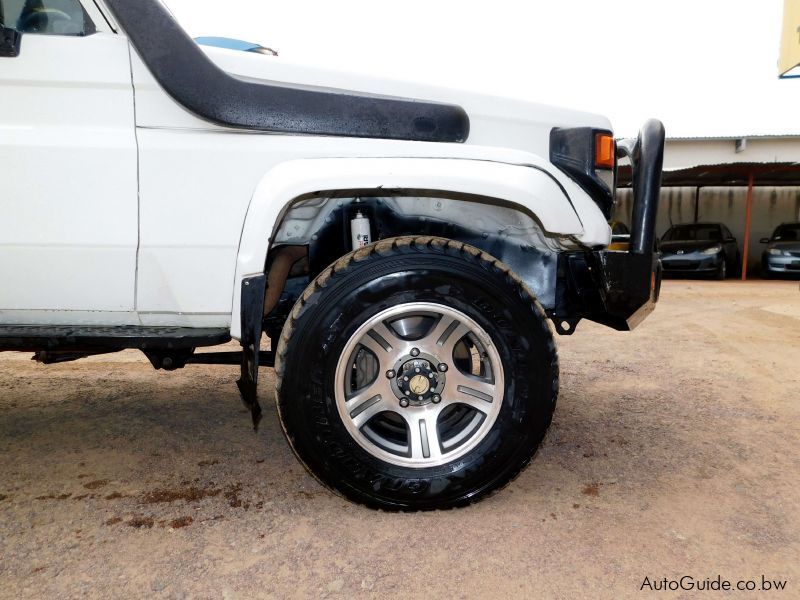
(402,246)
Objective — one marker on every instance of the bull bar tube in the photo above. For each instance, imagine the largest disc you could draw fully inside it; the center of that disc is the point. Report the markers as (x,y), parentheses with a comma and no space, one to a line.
(619,288)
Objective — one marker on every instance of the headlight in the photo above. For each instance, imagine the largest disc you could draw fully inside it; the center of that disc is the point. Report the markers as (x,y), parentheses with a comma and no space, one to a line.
(588,156)
(775,252)
(712,250)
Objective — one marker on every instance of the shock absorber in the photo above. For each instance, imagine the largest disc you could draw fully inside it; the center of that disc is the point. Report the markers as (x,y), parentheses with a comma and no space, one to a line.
(360,233)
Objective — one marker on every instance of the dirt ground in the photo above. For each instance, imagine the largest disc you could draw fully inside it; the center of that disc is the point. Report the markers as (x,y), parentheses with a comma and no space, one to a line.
(674,451)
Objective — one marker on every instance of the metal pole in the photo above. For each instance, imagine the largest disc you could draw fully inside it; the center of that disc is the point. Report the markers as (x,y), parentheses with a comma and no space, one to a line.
(748,215)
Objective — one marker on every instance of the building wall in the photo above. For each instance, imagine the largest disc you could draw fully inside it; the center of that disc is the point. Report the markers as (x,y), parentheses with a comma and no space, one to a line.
(685,153)
(771,206)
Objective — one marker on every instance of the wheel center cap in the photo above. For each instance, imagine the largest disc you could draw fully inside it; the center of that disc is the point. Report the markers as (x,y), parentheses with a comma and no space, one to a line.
(419,384)
(416,380)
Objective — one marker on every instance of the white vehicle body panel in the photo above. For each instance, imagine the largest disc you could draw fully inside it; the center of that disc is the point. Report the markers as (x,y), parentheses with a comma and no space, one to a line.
(173,247)
(192,217)
(199,180)
(68,209)
(494,120)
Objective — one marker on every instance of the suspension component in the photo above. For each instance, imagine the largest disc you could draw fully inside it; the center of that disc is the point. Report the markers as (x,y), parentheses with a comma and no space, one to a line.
(360,233)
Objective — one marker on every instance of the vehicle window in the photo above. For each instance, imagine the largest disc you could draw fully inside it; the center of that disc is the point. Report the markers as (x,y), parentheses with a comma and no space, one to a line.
(50,17)
(787,233)
(694,233)
(726,232)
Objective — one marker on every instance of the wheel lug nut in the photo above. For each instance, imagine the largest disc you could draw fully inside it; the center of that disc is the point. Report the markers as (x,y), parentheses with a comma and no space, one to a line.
(405,378)
(436,398)
(415,352)
(442,367)
(404,402)
(390,374)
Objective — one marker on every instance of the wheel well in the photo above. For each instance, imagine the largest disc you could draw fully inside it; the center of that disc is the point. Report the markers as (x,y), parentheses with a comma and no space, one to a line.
(315,232)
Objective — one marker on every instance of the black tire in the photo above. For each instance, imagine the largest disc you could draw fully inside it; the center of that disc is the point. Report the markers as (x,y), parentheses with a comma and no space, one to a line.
(385,274)
(722,273)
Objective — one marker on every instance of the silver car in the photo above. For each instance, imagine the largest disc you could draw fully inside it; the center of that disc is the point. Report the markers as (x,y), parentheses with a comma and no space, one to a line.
(782,254)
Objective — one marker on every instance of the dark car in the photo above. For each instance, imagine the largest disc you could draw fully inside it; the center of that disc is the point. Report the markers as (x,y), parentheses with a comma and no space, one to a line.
(782,254)
(701,248)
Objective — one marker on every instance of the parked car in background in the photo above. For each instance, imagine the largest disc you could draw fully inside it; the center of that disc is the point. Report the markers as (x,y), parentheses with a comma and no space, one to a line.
(700,248)
(782,254)
(620,236)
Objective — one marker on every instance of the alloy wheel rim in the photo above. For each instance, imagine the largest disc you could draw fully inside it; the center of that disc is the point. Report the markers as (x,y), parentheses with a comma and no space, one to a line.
(419,385)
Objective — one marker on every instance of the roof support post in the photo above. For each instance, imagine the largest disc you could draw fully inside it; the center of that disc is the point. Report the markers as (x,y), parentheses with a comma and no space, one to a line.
(747,218)
(697,204)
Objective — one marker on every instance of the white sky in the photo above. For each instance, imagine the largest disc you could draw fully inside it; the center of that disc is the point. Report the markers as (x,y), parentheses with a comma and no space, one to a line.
(704,67)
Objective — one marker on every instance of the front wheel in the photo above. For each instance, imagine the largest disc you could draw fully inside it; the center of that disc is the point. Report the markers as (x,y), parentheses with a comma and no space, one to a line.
(416,373)
(722,272)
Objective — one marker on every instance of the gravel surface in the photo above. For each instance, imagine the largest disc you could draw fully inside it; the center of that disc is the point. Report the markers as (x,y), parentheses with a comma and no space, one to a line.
(673,452)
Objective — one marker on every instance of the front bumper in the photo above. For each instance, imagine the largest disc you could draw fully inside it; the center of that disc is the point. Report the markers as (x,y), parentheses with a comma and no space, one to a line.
(780,264)
(693,262)
(618,289)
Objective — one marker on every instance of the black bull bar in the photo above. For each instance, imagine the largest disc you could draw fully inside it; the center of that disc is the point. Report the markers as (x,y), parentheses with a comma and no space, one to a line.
(619,288)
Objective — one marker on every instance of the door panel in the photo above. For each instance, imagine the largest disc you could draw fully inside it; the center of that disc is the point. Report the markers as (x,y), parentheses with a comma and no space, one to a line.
(68,178)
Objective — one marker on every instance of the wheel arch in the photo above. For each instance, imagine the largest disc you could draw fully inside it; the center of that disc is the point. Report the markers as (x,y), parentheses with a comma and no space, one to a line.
(525,190)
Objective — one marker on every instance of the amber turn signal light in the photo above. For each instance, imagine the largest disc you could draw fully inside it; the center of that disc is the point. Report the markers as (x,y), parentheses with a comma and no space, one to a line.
(604,151)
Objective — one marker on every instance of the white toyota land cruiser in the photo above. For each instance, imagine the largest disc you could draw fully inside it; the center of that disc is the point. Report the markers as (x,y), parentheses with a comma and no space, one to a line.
(404,247)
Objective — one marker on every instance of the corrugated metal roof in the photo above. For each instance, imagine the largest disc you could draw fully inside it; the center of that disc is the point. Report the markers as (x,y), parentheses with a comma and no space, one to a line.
(751,136)
(725,175)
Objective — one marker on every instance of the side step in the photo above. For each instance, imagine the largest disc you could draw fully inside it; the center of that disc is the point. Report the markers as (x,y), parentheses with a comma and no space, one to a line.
(160,359)
(87,337)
